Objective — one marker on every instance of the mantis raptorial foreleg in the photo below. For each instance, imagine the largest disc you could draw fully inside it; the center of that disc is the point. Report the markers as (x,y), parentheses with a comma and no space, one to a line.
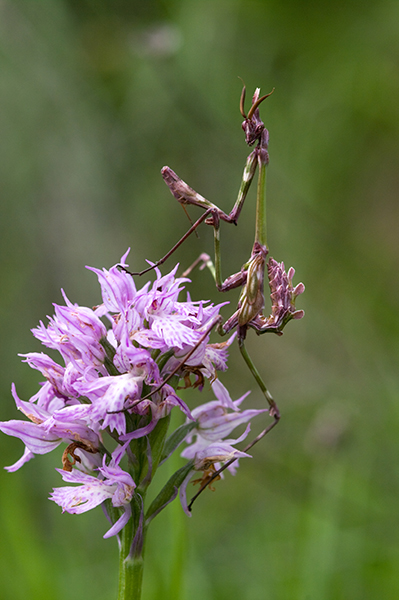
(185,195)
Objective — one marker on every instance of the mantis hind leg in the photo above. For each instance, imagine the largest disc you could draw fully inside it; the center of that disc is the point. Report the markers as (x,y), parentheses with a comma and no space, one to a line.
(274,411)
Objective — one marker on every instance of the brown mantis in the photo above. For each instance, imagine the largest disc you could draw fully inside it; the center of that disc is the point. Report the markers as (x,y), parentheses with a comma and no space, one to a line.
(250,278)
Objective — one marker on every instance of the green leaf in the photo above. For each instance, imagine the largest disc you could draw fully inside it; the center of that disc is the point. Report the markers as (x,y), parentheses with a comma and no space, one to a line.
(176,439)
(157,441)
(109,356)
(169,491)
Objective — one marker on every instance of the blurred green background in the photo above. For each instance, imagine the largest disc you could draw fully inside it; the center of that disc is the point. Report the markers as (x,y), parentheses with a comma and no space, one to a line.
(95,98)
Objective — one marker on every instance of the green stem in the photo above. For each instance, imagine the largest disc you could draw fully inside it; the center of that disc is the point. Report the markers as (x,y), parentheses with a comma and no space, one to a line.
(131,565)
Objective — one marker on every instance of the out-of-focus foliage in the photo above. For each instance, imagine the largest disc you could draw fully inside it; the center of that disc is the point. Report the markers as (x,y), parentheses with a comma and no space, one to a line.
(95,98)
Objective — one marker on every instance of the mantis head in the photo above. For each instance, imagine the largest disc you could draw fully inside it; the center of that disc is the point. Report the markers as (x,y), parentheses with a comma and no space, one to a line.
(252,124)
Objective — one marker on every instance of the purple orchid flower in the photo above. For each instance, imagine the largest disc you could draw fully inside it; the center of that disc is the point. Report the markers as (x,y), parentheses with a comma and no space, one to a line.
(211,448)
(113,483)
(115,382)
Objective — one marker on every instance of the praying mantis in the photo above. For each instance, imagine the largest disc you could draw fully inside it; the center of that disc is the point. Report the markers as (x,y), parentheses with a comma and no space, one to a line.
(250,278)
